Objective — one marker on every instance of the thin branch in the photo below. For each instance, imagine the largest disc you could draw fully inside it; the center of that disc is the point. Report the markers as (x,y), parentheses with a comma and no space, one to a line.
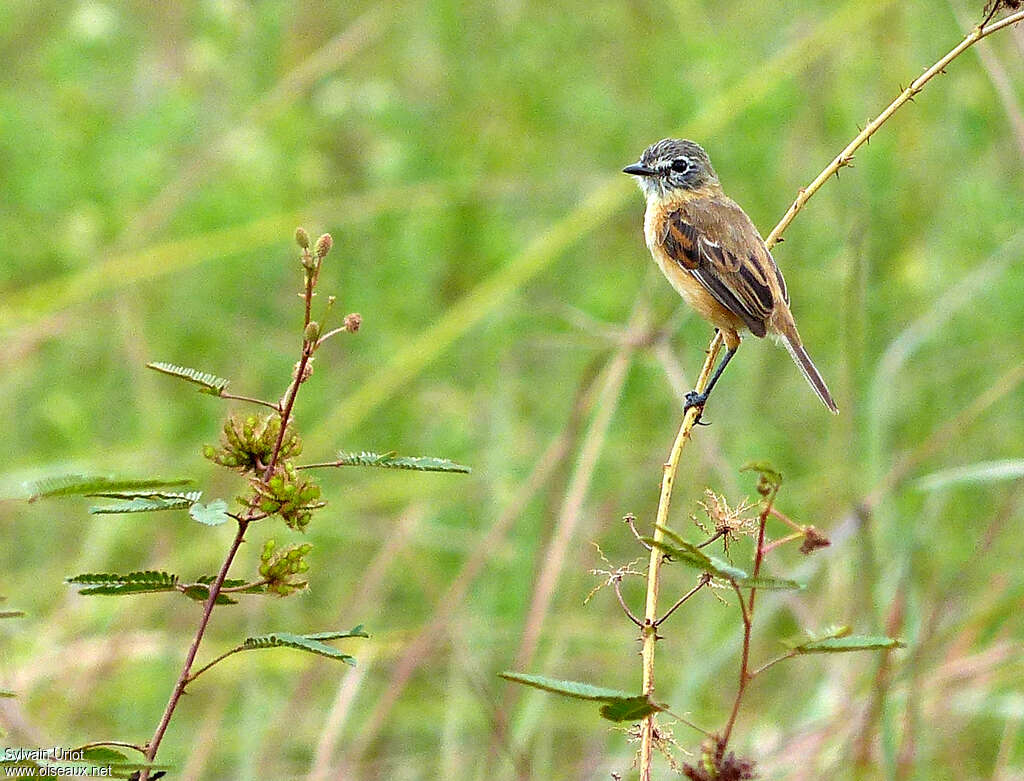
(744,661)
(251,400)
(705,578)
(845,157)
(772,663)
(630,520)
(207,666)
(617,584)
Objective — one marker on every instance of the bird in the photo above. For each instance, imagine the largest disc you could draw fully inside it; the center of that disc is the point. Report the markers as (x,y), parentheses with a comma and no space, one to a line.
(712,254)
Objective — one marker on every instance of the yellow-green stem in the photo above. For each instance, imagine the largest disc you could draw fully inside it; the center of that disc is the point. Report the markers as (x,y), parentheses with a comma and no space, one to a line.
(649,632)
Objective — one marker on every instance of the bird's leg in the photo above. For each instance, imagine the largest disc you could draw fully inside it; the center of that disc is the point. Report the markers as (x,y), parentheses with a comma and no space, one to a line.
(695,399)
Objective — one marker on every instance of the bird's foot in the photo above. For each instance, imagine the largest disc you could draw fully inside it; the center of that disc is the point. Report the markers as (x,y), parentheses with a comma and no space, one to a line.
(695,399)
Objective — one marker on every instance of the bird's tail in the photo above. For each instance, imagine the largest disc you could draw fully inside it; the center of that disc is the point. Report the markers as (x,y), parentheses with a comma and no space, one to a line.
(810,371)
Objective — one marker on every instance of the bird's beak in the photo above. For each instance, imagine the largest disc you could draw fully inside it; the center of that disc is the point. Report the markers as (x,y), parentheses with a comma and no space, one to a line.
(638,169)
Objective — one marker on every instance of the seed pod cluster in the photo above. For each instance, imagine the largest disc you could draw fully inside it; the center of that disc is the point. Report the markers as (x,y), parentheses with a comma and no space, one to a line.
(280,568)
(248,444)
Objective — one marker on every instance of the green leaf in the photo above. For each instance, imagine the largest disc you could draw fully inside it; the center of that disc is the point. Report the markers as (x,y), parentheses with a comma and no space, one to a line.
(255,588)
(212,514)
(11,613)
(765,470)
(301,642)
(983,472)
(201,593)
(836,630)
(102,755)
(393,461)
(356,631)
(770,584)
(7,693)
(619,705)
(839,645)
(630,709)
(210,383)
(93,485)
(692,555)
(146,502)
(111,584)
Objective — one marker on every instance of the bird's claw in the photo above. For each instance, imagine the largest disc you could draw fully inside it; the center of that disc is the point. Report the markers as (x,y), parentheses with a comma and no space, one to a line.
(695,399)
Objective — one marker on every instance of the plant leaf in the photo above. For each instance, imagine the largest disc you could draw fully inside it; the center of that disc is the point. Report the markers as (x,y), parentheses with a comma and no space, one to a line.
(839,645)
(356,631)
(232,582)
(102,755)
(148,502)
(983,472)
(630,709)
(692,555)
(770,584)
(393,461)
(201,593)
(7,693)
(619,705)
(93,485)
(212,514)
(301,642)
(210,383)
(149,581)
(11,613)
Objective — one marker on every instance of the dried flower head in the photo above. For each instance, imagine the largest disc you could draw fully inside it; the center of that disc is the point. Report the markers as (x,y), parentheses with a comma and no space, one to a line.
(716,765)
(729,523)
(813,539)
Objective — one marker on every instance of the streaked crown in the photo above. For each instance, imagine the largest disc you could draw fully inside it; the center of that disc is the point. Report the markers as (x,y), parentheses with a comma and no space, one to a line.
(672,164)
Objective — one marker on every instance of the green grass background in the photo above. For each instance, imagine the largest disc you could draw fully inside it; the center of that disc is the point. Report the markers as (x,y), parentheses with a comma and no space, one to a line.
(154,161)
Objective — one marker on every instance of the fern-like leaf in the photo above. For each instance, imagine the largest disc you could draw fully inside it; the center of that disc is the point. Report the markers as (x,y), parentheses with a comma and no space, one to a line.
(210,383)
(131,502)
(393,461)
(113,584)
(307,643)
(94,485)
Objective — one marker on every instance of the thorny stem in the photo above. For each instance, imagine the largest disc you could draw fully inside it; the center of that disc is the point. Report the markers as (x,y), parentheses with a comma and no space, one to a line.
(649,630)
(845,157)
(705,578)
(185,676)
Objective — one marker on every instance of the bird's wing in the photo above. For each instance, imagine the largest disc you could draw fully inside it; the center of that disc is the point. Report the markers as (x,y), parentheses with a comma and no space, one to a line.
(715,242)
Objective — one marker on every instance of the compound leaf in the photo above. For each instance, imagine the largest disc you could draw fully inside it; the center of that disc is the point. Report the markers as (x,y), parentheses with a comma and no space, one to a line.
(394,461)
(210,383)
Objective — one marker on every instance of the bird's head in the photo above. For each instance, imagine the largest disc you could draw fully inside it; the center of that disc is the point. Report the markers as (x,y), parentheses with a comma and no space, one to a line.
(671,165)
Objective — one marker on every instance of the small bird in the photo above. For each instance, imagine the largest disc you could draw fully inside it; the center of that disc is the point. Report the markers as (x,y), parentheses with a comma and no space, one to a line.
(709,250)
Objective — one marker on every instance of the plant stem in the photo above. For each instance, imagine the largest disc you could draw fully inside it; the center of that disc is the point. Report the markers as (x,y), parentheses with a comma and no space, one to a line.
(185,676)
(179,686)
(649,630)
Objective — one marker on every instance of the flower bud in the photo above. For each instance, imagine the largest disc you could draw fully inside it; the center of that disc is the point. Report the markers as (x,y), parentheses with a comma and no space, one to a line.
(323,246)
(312,331)
(353,322)
(302,238)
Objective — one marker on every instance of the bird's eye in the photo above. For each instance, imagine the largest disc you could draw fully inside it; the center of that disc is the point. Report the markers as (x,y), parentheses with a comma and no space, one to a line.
(681,164)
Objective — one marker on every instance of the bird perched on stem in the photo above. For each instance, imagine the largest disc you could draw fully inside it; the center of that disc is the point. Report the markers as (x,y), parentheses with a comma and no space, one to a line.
(710,251)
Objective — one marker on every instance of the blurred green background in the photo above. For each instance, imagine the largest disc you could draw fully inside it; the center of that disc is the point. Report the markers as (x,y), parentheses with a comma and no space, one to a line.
(154,161)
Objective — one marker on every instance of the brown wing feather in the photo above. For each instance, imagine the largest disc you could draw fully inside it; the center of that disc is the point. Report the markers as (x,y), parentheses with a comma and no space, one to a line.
(715,241)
